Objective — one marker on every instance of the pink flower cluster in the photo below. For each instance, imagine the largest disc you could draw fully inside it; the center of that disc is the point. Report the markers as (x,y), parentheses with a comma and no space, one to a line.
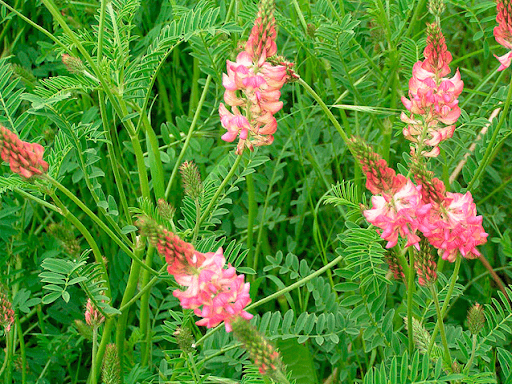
(253,86)
(25,159)
(447,220)
(432,103)
(215,293)
(503,32)
(6,313)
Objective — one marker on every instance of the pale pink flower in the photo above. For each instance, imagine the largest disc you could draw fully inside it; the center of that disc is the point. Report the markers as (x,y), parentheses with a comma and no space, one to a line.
(433,99)
(455,227)
(503,32)
(400,214)
(253,86)
(25,159)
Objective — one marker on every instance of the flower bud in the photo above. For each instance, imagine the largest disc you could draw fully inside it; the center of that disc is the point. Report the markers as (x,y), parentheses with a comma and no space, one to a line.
(165,209)
(93,316)
(191,180)
(184,339)
(264,355)
(6,313)
(83,329)
(73,64)
(476,319)
(111,371)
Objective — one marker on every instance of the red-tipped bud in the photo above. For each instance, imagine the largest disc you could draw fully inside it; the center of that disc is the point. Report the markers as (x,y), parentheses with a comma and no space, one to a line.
(6,313)
(165,209)
(93,316)
(425,264)
(73,64)
(437,57)
(25,159)
(264,355)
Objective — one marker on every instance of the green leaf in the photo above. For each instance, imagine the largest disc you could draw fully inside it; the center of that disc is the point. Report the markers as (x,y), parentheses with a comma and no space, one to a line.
(298,361)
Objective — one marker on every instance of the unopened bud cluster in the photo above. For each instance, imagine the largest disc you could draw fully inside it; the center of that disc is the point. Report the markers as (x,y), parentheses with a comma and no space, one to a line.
(111,370)
(6,313)
(476,319)
(191,178)
(93,316)
(264,355)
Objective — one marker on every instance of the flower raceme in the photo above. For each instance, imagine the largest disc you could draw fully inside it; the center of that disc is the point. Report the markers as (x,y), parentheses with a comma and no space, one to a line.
(25,159)
(447,220)
(433,98)
(253,86)
(503,32)
(215,293)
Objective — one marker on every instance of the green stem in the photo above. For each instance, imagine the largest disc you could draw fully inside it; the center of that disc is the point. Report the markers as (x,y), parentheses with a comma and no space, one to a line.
(410,299)
(472,357)
(489,150)
(101,28)
(105,338)
(145,330)
(253,209)
(148,286)
(189,136)
(440,324)
(275,295)
(100,223)
(326,110)
(218,192)
(301,16)
(22,352)
(446,302)
(94,378)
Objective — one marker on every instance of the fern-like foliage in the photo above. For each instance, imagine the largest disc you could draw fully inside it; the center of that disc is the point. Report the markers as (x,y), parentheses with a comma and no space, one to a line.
(498,323)
(60,274)
(10,99)
(346,194)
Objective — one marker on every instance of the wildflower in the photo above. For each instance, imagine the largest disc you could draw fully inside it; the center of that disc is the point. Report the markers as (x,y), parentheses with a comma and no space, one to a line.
(476,319)
(456,227)
(503,32)
(399,214)
(6,313)
(111,370)
(93,316)
(215,293)
(253,86)
(433,99)
(25,159)
(264,355)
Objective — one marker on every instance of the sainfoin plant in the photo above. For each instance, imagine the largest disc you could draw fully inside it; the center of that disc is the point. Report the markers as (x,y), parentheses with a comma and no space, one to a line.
(255,192)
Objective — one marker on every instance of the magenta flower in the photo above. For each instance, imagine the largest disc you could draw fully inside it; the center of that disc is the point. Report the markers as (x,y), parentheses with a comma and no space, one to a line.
(400,214)
(214,293)
(433,99)
(503,32)
(25,159)
(456,227)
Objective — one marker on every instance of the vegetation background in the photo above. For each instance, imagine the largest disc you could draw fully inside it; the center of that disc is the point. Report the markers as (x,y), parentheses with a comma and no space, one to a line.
(165,60)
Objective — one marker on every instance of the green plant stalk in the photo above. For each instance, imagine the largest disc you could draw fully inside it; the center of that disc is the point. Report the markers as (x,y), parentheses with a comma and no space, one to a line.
(101,28)
(453,280)
(326,110)
(131,286)
(100,223)
(218,192)
(410,296)
(253,209)
(148,286)
(472,357)
(90,240)
(144,311)
(189,136)
(113,158)
(415,17)
(94,378)
(489,150)
(440,324)
(105,338)
(22,351)
(275,295)
(301,16)
(7,366)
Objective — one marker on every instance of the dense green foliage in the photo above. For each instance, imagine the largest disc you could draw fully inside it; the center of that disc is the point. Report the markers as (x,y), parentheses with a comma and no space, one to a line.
(289,218)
